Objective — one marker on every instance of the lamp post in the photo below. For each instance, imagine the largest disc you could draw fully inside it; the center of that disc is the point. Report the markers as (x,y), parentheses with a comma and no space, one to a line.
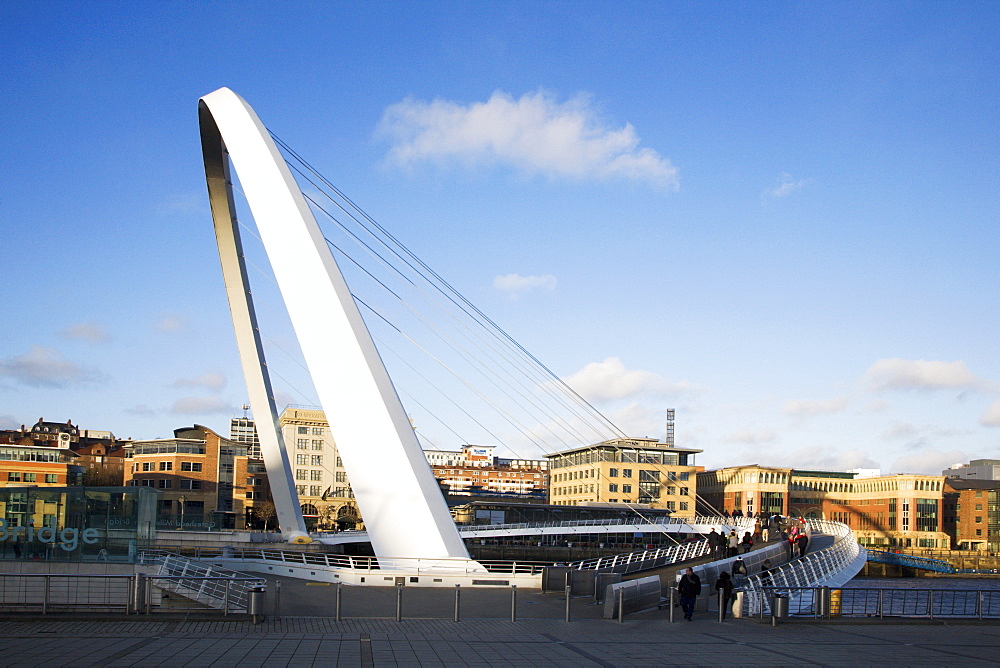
(183,499)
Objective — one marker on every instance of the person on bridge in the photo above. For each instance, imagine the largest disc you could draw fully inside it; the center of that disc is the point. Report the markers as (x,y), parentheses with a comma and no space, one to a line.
(747,542)
(724,585)
(689,587)
(732,544)
(739,566)
(801,542)
(713,541)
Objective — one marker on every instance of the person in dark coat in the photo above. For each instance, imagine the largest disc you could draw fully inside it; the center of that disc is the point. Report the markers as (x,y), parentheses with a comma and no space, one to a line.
(801,542)
(689,587)
(724,585)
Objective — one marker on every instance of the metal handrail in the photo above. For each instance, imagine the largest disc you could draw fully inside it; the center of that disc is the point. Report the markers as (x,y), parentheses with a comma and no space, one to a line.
(872,602)
(810,570)
(631,562)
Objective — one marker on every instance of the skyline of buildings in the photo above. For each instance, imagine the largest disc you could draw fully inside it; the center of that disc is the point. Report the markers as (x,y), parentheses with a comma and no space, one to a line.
(206,480)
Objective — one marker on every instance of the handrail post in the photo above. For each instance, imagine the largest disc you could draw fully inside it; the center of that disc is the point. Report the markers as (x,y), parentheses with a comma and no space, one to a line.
(225,606)
(513,603)
(45,598)
(979,603)
(458,598)
(930,603)
(670,602)
(567,602)
(340,587)
(621,606)
(399,602)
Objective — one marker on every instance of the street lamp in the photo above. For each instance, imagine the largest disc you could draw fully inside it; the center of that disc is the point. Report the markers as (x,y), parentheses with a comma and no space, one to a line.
(183,499)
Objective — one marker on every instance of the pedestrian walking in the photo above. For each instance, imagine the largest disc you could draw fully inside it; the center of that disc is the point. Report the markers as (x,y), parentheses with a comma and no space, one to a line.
(724,585)
(689,587)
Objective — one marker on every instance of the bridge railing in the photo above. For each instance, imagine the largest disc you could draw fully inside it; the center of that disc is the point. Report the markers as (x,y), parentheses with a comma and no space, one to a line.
(869,602)
(743,522)
(646,559)
(925,563)
(834,564)
(210,585)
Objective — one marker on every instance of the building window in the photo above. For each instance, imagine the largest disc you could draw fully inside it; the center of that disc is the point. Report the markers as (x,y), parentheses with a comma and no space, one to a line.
(626,473)
(147,466)
(316,475)
(303,430)
(979,518)
(341,476)
(671,490)
(684,491)
(979,506)
(190,466)
(626,489)
(300,489)
(29,477)
(165,484)
(302,444)
(301,474)
(671,505)
(649,476)
(612,473)
(672,475)
(13,476)
(684,505)
(979,532)
(190,484)
(166,466)
(685,475)
(316,460)
(317,445)
(315,490)
(613,487)
(51,478)
(301,460)
(317,431)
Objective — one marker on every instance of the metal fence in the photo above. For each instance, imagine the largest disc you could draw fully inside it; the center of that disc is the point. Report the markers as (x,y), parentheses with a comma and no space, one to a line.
(824,602)
(129,594)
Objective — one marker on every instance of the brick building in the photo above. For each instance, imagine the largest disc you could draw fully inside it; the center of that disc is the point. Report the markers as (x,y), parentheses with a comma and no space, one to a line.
(474,471)
(902,510)
(972,513)
(206,481)
(60,454)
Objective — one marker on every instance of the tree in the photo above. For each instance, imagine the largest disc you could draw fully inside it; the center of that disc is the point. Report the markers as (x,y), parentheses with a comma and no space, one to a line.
(265,512)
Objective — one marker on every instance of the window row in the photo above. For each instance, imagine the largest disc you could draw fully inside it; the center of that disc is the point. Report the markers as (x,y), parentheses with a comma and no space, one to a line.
(18,476)
(166,466)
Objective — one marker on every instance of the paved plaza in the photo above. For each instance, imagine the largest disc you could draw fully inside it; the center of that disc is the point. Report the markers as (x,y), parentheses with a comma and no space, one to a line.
(314,641)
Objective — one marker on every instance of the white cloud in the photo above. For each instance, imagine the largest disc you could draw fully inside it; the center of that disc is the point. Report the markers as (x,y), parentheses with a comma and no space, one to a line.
(928,461)
(141,409)
(900,374)
(86,331)
(991,418)
(201,406)
(785,185)
(210,381)
(876,406)
(826,458)
(611,380)
(803,408)
(534,133)
(515,284)
(171,324)
(9,422)
(751,436)
(46,367)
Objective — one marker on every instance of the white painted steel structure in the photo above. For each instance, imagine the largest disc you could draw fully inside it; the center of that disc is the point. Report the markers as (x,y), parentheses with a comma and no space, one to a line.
(392,481)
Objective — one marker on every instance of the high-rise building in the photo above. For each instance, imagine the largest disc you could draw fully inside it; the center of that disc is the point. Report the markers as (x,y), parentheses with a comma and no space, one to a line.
(320,478)
(243,430)
(632,471)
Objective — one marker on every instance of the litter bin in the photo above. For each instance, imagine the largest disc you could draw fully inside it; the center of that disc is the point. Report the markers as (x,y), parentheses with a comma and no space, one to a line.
(256,604)
(779,606)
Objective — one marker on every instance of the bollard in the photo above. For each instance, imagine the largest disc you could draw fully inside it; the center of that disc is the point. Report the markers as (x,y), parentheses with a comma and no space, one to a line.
(399,603)
(138,591)
(458,598)
(255,606)
(340,588)
(513,603)
(670,602)
(225,605)
(277,599)
(567,603)
(621,605)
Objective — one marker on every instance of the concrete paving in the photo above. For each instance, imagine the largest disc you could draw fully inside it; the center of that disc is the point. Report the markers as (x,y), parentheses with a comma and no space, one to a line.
(315,641)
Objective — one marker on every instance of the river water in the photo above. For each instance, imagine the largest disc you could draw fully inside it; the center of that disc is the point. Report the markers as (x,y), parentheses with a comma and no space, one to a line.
(984,584)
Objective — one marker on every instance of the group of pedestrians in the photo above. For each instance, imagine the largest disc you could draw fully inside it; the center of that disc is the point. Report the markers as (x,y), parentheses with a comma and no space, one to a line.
(689,587)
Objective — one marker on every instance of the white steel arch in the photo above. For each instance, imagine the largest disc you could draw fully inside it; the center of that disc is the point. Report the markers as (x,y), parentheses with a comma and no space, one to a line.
(396,492)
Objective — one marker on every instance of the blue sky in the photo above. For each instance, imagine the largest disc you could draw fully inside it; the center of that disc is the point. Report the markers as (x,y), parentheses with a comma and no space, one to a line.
(780,219)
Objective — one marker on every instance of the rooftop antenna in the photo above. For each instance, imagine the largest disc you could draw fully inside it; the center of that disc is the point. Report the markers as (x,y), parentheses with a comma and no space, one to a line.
(670,428)
(246,407)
